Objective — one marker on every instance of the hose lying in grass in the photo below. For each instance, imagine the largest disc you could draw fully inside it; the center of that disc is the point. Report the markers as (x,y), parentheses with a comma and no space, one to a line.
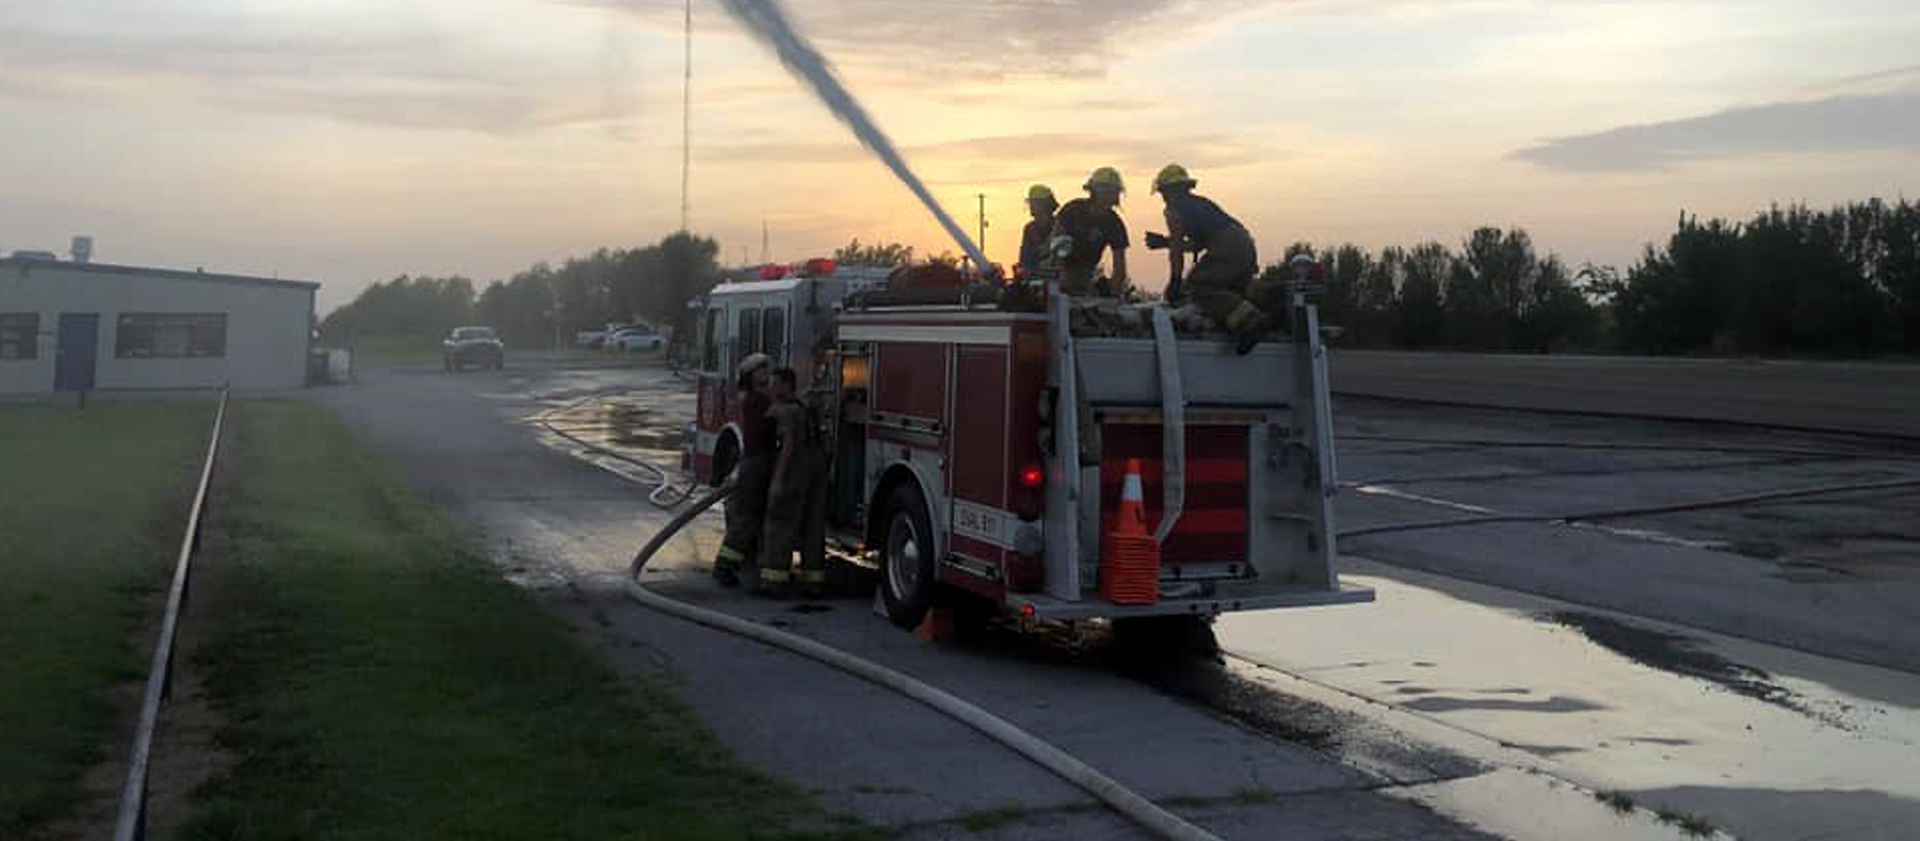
(1159,821)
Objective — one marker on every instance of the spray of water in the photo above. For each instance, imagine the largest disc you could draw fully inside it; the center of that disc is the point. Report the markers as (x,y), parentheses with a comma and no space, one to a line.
(768,21)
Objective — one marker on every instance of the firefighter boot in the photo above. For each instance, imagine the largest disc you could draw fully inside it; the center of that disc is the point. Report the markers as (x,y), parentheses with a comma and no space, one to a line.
(726,566)
(1252,334)
(813,583)
(772,583)
(1247,324)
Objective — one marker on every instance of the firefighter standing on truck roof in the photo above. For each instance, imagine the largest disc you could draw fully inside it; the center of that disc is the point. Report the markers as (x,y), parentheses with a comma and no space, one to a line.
(1033,238)
(796,497)
(1094,227)
(1226,264)
(747,506)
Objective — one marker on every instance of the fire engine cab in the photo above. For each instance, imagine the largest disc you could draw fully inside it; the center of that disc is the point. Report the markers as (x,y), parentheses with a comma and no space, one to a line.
(983,444)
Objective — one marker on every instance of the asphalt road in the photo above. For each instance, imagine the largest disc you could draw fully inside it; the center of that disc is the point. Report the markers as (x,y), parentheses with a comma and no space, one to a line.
(1842,396)
(566,529)
(1474,700)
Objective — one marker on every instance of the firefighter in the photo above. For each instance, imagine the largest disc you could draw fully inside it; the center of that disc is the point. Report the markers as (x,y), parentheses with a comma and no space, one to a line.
(796,497)
(1094,227)
(1226,260)
(747,506)
(1033,239)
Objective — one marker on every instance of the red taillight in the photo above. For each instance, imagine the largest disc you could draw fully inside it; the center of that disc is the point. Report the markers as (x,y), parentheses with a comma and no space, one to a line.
(1033,477)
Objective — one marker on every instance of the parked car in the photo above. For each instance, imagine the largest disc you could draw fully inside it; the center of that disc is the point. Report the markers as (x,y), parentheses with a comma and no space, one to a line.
(635,339)
(473,346)
(590,338)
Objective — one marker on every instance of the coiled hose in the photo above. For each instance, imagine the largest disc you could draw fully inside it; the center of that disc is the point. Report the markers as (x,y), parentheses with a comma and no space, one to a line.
(1159,821)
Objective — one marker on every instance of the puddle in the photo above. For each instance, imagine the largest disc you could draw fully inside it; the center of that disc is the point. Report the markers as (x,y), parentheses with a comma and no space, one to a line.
(535,579)
(1683,655)
(1520,804)
(1688,722)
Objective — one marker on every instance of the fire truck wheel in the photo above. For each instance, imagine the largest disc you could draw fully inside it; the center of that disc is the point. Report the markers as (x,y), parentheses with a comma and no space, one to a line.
(907,557)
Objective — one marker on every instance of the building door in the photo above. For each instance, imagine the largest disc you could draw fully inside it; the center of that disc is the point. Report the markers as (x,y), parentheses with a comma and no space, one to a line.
(74,357)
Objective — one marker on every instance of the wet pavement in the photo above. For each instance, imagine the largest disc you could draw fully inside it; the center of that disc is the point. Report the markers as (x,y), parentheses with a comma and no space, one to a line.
(476,444)
(1761,741)
(1503,707)
(1836,574)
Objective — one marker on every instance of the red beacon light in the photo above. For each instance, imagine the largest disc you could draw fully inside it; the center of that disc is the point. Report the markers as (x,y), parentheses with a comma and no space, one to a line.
(818,267)
(773,271)
(1033,477)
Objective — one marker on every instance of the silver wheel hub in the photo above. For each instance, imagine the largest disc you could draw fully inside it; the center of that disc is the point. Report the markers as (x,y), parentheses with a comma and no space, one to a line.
(903,555)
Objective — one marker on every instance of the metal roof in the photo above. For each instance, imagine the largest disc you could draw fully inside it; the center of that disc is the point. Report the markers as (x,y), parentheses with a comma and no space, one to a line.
(29,266)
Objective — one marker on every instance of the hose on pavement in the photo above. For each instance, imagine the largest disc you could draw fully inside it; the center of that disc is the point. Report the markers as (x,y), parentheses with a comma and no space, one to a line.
(1159,821)
(664,494)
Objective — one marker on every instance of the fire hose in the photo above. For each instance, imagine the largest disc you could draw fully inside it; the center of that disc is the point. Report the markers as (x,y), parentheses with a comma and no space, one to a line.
(1160,822)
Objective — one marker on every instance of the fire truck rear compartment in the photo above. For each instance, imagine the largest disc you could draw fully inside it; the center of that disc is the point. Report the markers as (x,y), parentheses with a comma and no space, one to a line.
(1253,529)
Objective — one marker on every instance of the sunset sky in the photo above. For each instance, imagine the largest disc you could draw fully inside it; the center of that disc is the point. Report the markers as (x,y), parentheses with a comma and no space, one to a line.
(348,141)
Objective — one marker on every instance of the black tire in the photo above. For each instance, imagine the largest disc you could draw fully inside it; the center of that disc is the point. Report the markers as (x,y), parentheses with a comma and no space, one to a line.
(726,456)
(908,575)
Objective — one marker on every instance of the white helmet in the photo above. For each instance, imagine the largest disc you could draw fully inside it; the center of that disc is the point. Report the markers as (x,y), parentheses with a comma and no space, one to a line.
(753,362)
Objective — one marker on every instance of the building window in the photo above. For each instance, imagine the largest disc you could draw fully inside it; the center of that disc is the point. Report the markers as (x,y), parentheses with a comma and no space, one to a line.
(773,334)
(171,335)
(19,335)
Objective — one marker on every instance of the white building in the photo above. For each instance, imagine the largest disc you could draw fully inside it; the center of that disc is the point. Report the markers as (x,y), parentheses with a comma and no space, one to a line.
(69,326)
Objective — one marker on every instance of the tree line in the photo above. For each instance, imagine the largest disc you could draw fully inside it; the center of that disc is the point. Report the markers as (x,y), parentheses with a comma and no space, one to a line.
(1789,281)
(651,283)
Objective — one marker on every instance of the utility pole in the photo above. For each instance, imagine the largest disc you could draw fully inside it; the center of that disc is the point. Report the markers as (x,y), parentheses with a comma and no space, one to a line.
(686,122)
(766,253)
(983,227)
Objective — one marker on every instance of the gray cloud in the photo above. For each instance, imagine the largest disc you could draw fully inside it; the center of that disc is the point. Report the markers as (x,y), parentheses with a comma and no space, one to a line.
(969,40)
(1853,122)
(1004,158)
(784,152)
(1127,153)
(387,72)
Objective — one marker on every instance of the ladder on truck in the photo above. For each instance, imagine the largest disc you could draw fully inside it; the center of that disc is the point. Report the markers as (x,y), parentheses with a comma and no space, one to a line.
(1280,391)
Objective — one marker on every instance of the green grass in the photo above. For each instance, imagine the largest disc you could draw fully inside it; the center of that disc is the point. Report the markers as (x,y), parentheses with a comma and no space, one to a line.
(90,506)
(380,681)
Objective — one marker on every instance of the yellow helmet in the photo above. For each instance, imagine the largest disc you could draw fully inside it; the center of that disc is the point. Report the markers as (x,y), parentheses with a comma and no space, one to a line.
(1106,176)
(1038,192)
(1172,175)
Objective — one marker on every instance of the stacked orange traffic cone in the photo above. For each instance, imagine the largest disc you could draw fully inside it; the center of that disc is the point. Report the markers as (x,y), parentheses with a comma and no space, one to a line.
(1130,567)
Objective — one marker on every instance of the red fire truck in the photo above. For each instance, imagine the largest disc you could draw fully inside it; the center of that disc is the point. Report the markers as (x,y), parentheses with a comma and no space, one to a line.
(983,447)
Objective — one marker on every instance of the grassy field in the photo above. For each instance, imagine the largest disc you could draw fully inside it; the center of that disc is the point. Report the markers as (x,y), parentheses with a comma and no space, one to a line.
(91,503)
(381,681)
